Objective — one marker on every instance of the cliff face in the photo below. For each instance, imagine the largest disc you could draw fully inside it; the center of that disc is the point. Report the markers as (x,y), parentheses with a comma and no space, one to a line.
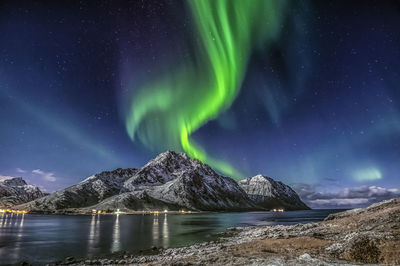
(268,193)
(14,190)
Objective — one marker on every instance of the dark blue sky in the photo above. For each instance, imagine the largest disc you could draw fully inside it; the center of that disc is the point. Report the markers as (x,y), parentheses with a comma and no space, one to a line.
(319,109)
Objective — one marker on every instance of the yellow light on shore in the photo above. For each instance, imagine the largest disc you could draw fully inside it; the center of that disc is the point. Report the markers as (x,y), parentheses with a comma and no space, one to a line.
(12,211)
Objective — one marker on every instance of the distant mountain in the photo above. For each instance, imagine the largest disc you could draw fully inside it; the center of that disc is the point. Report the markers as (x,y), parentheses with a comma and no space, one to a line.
(268,193)
(14,190)
(90,191)
(170,181)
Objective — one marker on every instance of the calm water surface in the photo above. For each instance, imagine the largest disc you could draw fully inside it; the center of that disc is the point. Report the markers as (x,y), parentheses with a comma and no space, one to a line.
(43,238)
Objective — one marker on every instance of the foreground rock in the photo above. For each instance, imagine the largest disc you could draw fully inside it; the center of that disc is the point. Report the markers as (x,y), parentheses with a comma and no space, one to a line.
(15,190)
(269,194)
(366,236)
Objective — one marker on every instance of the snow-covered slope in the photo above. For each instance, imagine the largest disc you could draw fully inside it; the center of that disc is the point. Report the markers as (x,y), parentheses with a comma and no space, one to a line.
(86,193)
(14,190)
(136,200)
(268,193)
(175,181)
(170,181)
(165,167)
(200,188)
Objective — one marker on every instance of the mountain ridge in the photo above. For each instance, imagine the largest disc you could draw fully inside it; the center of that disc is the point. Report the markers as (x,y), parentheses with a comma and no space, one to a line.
(170,181)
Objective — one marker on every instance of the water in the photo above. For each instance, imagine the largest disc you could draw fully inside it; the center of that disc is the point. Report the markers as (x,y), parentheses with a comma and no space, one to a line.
(39,239)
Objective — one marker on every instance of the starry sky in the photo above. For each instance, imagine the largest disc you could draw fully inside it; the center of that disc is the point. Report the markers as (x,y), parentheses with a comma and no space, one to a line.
(305,92)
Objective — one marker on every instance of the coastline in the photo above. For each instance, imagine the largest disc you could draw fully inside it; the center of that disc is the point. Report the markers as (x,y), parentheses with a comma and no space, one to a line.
(369,235)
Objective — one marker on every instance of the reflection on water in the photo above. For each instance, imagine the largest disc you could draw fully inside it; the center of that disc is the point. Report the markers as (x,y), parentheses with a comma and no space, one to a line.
(1,219)
(14,222)
(155,229)
(116,241)
(165,231)
(22,221)
(160,230)
(94,233)
(19,236)
(11,220)
(33,238)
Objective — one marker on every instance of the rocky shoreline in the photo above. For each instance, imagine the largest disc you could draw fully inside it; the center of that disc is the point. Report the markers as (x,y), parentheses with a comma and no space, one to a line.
(366,236)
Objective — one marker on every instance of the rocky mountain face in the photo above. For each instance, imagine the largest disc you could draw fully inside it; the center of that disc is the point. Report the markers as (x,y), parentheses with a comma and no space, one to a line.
(268,193)
(171,181)
(14,190)
(175,181)
(165,167)
(90,191)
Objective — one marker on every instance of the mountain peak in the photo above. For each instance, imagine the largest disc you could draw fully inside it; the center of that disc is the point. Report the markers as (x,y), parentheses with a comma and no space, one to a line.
(170,155)
(12,181)
(15,190)
(163,168)
(267,192)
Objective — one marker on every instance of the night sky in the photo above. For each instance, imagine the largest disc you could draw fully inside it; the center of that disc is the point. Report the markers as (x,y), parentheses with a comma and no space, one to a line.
(306,92)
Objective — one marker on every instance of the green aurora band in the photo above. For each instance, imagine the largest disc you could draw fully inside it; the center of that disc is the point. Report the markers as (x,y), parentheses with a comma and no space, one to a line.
(166,111)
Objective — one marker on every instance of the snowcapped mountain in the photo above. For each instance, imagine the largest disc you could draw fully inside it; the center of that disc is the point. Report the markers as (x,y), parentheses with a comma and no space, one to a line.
(90,191)
(14,190)
(268,193)
(165,167)
(200,188)
(175,181)
(170,181)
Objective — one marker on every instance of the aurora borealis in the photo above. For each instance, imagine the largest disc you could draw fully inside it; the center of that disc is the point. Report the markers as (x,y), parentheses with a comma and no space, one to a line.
(302,91)
(166,112)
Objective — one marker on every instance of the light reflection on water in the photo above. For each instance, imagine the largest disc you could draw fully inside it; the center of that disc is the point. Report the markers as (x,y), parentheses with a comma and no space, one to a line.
(165,233)
(155,229)
(32,238)
(116,235)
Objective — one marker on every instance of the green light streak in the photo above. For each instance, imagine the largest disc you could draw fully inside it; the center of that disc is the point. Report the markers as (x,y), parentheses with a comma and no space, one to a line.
(167,111)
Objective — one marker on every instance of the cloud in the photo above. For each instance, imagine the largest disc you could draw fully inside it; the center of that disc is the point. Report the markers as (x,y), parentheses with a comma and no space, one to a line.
(48,176)
(19,170)
(345,198)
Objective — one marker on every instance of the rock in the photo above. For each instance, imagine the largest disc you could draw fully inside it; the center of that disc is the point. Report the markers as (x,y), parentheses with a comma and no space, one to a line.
(305,257)
(69,260)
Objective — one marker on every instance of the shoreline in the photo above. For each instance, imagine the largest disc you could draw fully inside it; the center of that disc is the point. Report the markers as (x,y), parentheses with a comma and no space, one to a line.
(370,235)
(74,212)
